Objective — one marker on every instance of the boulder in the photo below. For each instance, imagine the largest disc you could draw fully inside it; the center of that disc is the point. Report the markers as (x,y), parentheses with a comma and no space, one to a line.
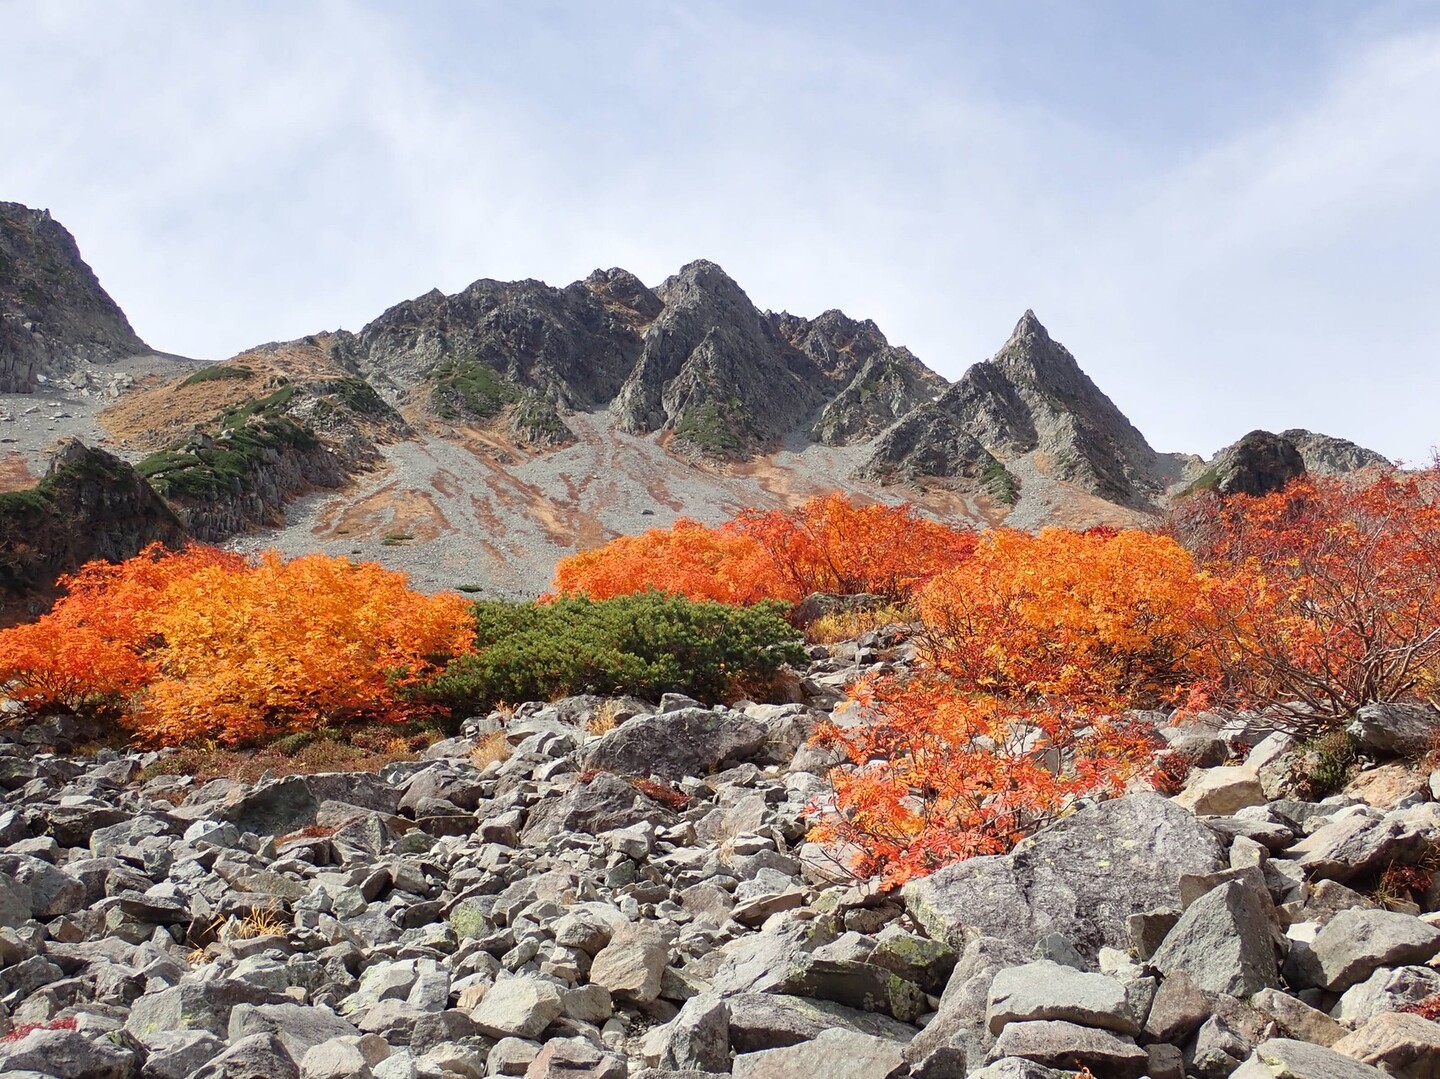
(605,802)
(297,1027)
(1059,1044)
(1399,1043)
(518,1007)
(1284,1058)
(772,1020)
(630,966)
(260,1056)
(1223,941)
(673,745)
(1400,730)
(66,1054)
(1221,791)
(1048,990)
(1355,943)
(1083,877)
(835,1054)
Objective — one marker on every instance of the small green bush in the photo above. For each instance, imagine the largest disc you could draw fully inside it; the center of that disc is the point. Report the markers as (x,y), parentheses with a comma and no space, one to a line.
(645,644)
(470,388)
(217,371)
(1326,763)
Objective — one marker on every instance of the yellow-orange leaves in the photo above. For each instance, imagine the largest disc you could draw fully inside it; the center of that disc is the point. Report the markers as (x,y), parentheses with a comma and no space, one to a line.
(288,646)
(201,643)
(829,544)
(1033,649)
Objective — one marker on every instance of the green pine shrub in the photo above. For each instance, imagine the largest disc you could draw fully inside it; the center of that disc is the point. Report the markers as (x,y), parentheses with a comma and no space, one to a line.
(645,644)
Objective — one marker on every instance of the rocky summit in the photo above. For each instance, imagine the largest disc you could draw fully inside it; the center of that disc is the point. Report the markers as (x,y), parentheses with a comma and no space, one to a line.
(473,439)
(53,312)
(550,896)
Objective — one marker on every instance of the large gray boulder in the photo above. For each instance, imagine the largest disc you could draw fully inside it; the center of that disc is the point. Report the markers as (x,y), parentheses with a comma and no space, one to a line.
(1049,990)
(1082,877)
(673,745)
(1284,1058)
(1404,730)
(1223,941)
(836,1054)
(604,803)
(1356,943)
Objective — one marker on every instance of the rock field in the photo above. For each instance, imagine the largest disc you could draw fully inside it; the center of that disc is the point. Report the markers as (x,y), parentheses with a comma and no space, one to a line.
(644,902)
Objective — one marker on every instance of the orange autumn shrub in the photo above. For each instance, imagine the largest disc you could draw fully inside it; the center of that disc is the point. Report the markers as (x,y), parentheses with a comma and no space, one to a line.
(289,646)
(833,544)
(1327,593)
(829,544)
(688,559)
(89,653)
(1034,648)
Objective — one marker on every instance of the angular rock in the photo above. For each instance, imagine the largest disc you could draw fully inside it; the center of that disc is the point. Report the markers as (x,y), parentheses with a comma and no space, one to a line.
(297,1027)
(1048,990)
(699,1037)
(1348,847)
(631,965)
(1399,730)
(687,742)
(66,1054)
(1082,877)
(772,1020)
(1399,1043)
(519,1007)
(1355,943)
(1059,1044)
(1284,1058)
(1224,942)
(1296,1019)
(604,803)
(1221,791)
(574,1058)
(835,1054)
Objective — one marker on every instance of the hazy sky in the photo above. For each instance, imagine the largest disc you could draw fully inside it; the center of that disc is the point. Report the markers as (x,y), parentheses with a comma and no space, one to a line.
(1229,211)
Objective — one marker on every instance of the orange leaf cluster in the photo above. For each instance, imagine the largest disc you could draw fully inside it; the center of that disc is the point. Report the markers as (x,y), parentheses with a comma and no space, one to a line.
(1325,596)
(1034,648)
(202,644)
(829,544)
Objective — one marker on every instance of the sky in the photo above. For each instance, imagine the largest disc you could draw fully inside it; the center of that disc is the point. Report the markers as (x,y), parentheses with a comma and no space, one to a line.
(1228,211)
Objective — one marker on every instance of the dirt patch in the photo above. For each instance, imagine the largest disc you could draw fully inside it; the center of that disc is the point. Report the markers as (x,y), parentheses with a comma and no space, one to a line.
(392,513)
(15,474)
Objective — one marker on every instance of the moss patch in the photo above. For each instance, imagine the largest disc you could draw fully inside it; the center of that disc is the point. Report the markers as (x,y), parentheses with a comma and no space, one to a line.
(708,428)
(470,388)
(215,373)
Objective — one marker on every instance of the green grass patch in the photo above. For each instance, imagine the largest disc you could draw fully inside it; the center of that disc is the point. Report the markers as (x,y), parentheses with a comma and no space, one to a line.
(202,471)
(468,388)
(707,427)
(1000,483)
(237,417)
(216,373)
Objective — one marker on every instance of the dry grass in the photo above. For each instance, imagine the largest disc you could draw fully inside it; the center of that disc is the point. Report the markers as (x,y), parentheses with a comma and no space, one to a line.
(493,747)
(364,750)
(603,721)
(840,626)
(259,923)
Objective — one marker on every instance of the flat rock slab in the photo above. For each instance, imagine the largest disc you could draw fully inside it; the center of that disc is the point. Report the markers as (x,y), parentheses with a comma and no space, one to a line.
(1217,792)
(836,1054)
(1058,1044)
(1048,990)
(1082,877)
(1399,1042)
(1283,1058)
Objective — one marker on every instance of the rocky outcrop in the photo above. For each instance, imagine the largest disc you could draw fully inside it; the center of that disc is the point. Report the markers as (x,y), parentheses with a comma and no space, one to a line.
(1325,455)
(1259,463)
(53,312)
(89,505)
(1030,398)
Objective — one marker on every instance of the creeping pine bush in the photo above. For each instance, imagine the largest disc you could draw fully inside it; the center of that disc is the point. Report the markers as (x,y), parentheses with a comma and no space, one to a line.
(645,644)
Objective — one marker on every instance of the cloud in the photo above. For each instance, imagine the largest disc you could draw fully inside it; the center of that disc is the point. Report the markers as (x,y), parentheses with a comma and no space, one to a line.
(254,172)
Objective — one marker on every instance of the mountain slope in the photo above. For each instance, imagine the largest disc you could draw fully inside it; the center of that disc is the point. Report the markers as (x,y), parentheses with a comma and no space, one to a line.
(53,312)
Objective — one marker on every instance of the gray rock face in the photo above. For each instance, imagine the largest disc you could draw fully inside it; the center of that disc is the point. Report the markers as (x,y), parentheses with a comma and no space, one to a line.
(604,803)
(1355,943)
(1031,396)
(66,1054)
(1401,730)
(773,1020)
(1223,941)
(1259,463)
(53,312)
(1083,877)
(1325,455)
(688,742)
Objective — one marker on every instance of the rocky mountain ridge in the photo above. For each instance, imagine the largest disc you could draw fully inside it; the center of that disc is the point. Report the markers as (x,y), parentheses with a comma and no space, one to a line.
(512,422)
(53,312)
